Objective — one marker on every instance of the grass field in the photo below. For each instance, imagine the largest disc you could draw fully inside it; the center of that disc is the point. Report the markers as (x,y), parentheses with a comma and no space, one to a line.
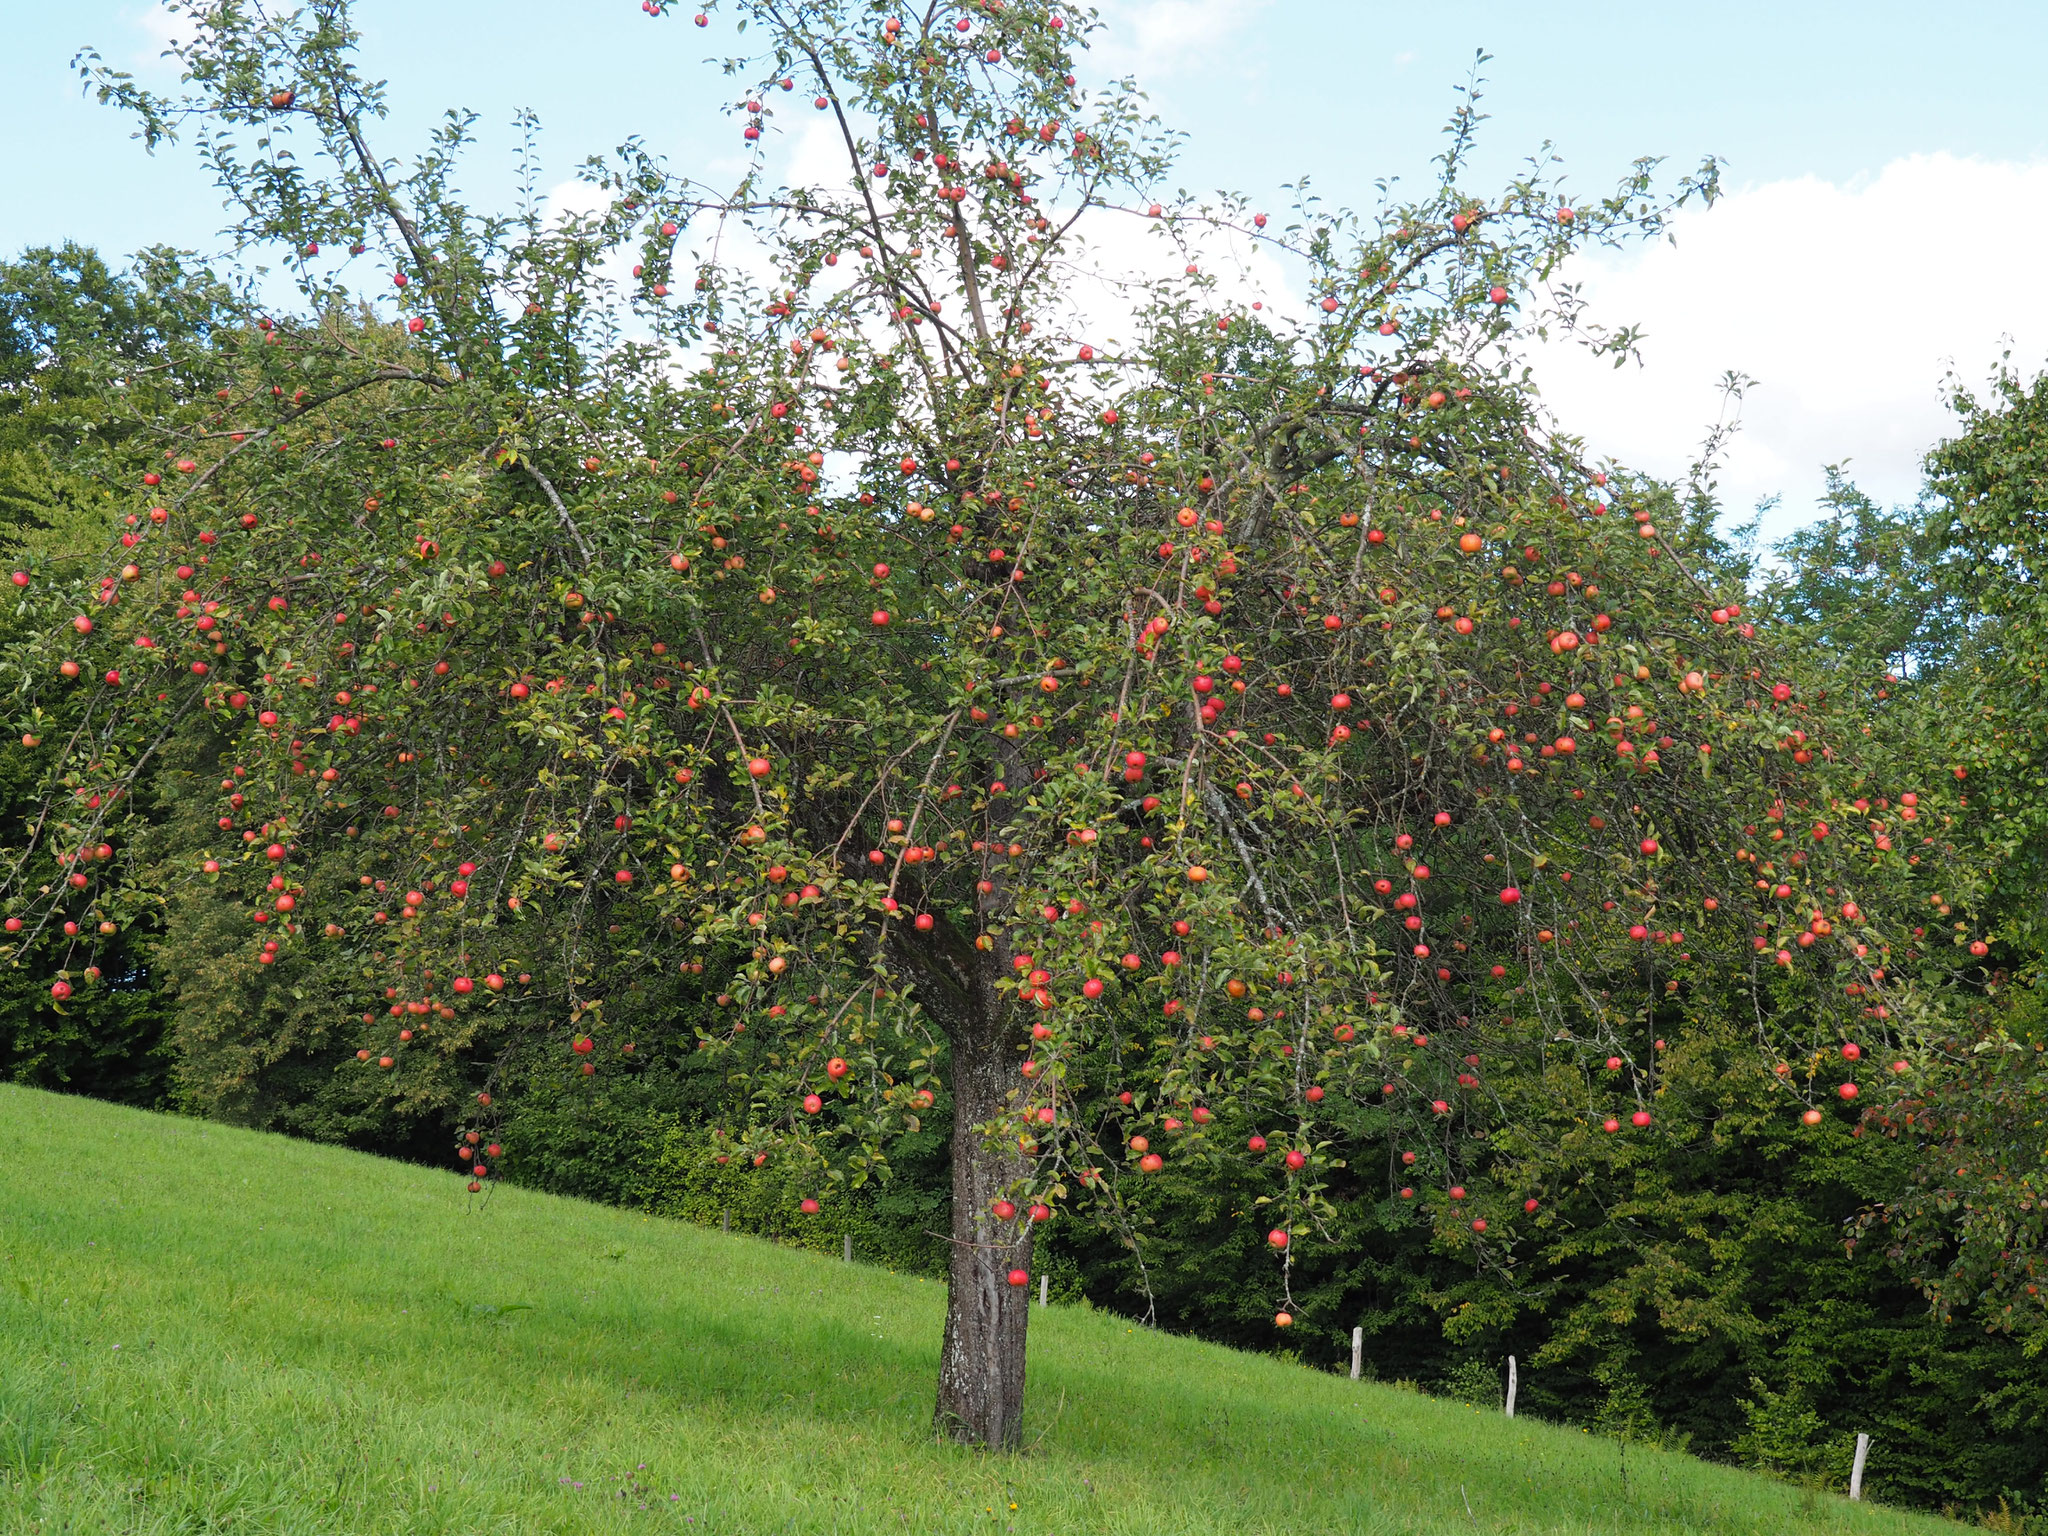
(210,1330)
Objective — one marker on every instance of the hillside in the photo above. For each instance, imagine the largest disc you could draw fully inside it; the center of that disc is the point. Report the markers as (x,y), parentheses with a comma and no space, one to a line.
(211,1330)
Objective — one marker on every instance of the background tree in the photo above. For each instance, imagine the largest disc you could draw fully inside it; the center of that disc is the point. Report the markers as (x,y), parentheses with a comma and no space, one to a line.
(1941,597)
(1985,484)
(1972,1225)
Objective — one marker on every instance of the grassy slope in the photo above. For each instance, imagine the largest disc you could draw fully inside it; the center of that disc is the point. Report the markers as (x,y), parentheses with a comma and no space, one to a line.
(204,1329)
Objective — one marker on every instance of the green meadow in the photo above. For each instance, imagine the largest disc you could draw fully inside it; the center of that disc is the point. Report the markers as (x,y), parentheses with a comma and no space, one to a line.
(205,1329)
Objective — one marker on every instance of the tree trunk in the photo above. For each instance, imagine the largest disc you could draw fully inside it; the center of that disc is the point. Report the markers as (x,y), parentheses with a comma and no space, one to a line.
(981,1367)
(980,1398)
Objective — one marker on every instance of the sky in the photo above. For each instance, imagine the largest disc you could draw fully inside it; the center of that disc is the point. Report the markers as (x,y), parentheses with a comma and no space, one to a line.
(1886,166)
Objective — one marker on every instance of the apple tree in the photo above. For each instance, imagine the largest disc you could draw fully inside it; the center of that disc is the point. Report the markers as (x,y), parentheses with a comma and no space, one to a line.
(1213,745)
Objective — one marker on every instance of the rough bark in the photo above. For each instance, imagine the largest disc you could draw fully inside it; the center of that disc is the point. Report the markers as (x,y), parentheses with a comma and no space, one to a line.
(981,1365)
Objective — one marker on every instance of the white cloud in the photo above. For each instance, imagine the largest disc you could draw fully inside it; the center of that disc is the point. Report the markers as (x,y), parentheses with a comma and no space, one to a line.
(1846,303)
(1156,37)
(159,29)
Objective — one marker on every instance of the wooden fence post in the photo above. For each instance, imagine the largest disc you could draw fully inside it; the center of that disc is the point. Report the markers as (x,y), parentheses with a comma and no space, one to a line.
(1511,1386)
(849,1248)
(1357,1351)
(725,1222)
(1044,1289)
(1856,1472)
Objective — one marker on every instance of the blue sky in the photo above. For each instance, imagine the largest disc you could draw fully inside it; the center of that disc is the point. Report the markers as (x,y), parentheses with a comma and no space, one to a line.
(1888,160)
